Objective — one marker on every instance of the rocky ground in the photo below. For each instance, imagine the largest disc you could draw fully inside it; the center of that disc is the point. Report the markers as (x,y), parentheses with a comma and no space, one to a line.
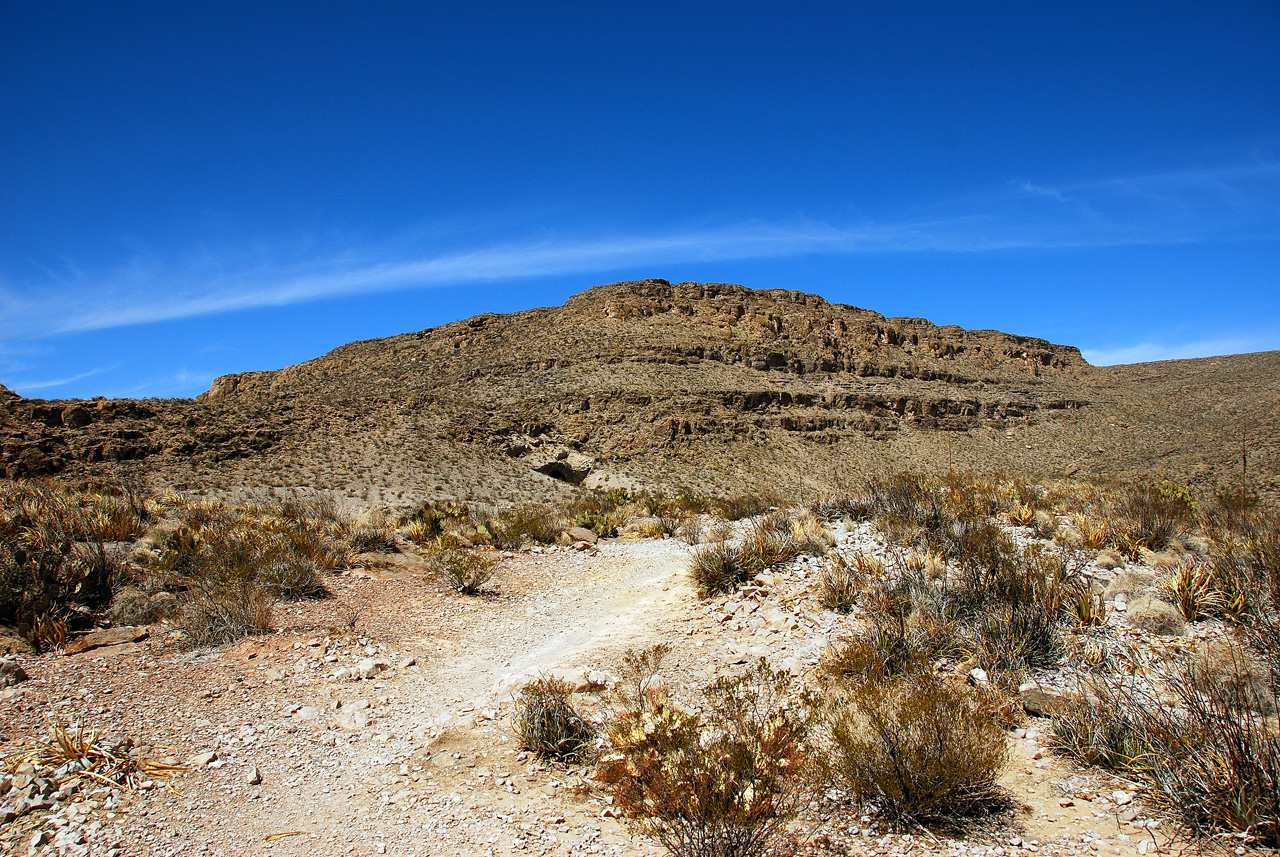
(377,720)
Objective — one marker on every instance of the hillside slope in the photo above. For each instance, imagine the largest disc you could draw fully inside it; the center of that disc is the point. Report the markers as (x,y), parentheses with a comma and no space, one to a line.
(712,385)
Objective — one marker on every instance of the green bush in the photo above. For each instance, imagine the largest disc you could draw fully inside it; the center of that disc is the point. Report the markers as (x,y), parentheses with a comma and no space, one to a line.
(462,571)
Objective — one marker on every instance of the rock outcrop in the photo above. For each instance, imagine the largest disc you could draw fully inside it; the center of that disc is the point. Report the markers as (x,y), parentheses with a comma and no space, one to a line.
(712,385)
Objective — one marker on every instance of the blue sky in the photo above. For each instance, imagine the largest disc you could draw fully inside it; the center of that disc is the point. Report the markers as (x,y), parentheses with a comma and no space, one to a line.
(189,189)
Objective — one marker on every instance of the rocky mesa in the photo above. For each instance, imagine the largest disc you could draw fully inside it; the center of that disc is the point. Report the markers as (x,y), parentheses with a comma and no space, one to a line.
(710,385)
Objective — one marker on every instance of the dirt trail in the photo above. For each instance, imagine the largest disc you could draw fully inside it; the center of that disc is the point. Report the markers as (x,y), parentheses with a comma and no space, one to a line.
(420,757)
(403,792)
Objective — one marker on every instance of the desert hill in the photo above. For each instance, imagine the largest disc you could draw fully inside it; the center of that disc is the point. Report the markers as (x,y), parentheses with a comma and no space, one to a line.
(714,386)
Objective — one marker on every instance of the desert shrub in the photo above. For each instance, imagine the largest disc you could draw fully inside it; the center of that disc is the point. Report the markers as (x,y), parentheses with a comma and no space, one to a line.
(636,689)
(49,632)
(880,653)
(226,547)
(921,751)
(768,543)
(1022,514)
(739,506)
(420,533)
(691,531)
(1193,591)
(716,568)
(647,528)
(1102,729)
(1086,608)
(720,785)
(219,610)
(722,566)
(53,549)
(1246,570)
(841,583)
(1145,517)
(547,723)
(1214,770)
(462,571)
(602,512)
(530,522)
(1229,672)
(372,540)
(1156,617)
(1095,533)
(1015,637)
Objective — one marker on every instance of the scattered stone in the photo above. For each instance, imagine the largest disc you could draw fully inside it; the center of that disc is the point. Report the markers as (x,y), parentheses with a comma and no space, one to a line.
(352,720)
(370,667)
(581,534)
(200,760)
(1045,702)
(105,637)
(11,673)
(253,777)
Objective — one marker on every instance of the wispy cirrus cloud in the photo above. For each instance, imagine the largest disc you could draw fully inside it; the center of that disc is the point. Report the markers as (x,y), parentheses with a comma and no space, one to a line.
(1230,203)
(62,382)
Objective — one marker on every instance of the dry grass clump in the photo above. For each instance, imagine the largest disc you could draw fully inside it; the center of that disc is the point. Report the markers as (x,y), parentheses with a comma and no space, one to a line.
(1206,762)
(55,551)
(844,579)
(92,756)
(527,523)
(723,566)
(230,564)
(919,750)
(465,572)
(719,784)
(547,723)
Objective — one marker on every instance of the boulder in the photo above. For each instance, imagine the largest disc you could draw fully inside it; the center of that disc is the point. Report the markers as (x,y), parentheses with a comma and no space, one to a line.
(105,637)
(581,534)
(11,673)
(1046,702)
